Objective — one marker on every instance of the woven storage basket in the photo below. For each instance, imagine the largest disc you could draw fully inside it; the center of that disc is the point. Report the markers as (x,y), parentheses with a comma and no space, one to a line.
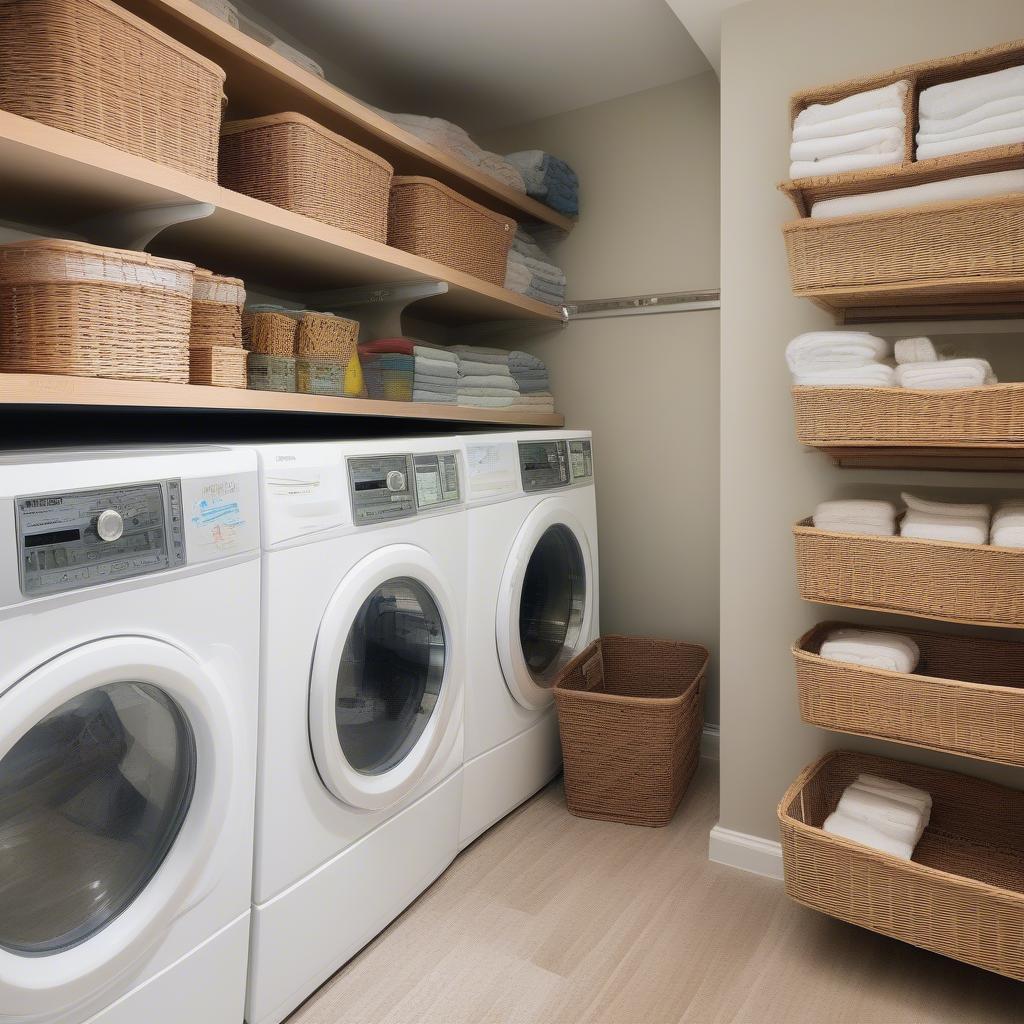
(270,373)
(326,336)
(217,304)
(978,584)
(431,220)
(963,893)
(269,334)
(389,376)
(966,696)
(897,416)
(330,377)
(90,311)
(293,162)
(630,713)
(220,365)
(90,67)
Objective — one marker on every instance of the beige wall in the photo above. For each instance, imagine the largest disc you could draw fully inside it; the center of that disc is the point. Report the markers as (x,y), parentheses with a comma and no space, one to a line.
(646,385)
(772,48)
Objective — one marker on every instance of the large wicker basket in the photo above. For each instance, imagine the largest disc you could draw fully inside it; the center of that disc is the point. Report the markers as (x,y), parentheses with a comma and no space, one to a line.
(90,311)
(962,895)
(293,162)
(90,67)
(977,584)
(966,696)
(431,220)
(217,304)
(630,713)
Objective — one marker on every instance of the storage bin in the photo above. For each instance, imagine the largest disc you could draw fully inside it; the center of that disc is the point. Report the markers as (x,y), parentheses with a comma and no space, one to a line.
(293,162)
(90,67)
(963,893)
(389,376)
(631,713)
(431,220)
(219,365)
(217,304)
(91,311)
(326,336)
(270,373)
(966,696)
(269,333)
(976,584)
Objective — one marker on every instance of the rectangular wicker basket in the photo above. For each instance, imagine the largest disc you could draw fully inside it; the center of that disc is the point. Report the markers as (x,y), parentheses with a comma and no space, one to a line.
(630,714)
(90,67)
(217,304)
(291,161)
(966,696)
(980,585)
(91,311)
(962,895)
(218,365)
(431,220)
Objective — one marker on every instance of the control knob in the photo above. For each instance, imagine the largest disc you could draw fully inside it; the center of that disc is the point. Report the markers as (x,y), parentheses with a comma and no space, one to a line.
(109,525)
(396,480)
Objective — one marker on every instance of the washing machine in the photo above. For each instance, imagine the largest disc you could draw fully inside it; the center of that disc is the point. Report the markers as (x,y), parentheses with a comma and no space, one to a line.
(129,614)
(360,784)
(533,606)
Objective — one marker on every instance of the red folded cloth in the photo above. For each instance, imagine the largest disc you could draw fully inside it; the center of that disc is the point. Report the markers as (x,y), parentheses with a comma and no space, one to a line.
(403,345)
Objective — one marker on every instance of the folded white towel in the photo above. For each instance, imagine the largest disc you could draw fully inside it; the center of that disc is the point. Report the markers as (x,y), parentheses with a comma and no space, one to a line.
(898,791)
(870,517)
(886,98)
(915,350)
(886,117)
(486,402)
(480,351)
(837,824)
(471,367)
(957,510)
(954,99)
(434,352)
(974,116)
(888,651)
(1000,122)
(1008,534)
(893,817)
(874,140)
(488,380)
(820,350)
(435,367)
(945,375)
(972,144)
(874,375)
(974,186)
(924,526)
(846,162)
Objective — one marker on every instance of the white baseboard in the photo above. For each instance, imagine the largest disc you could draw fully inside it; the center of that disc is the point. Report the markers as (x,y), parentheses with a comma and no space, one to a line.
(709,742)
(746,852)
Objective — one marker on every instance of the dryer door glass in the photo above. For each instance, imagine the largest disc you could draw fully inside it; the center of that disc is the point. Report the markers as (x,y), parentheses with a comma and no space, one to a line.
(552,603)
(390,675)
(91,799)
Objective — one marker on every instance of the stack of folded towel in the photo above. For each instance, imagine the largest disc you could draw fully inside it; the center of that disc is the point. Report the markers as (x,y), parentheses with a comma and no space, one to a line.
(971,114)
(857,515)
(1008,525)
(865,130)
(484,380)
(410,370)
(889,651)
(885,815)
(839,359)
(531,375)
(919,367)
(549,180)
(942,520)
(531,273)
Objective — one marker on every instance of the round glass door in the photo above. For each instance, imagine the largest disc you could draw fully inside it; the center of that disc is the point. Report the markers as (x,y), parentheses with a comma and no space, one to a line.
(390,675)
(91,799)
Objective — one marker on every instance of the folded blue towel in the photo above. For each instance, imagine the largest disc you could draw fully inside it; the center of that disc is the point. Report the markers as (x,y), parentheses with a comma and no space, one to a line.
(529,387)
(524,360)
(548,179)
(546,297)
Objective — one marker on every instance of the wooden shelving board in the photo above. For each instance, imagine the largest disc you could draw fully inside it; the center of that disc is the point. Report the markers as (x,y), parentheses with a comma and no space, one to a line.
(53,390)
(979,458)
(54,178)
(261,81)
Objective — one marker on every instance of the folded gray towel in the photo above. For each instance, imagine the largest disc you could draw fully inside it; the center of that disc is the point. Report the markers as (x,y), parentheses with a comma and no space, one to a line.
(468,367)
(484,380)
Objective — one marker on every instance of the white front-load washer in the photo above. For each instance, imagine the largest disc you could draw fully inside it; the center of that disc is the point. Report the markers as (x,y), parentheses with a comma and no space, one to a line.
(360,783)
(533,606)
(129,612)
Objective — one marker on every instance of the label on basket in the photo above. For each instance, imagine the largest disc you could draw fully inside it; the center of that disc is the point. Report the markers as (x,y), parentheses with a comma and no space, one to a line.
(270,373)
(593,671)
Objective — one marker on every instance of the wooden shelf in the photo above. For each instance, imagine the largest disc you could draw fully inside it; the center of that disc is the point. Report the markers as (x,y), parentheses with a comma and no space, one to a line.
(261,81)
(968,459)
(53,390)
(54,178)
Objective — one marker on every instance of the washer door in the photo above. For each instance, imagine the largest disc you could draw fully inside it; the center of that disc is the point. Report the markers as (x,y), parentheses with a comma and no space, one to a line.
(545,602)
(382,692)
(116,762)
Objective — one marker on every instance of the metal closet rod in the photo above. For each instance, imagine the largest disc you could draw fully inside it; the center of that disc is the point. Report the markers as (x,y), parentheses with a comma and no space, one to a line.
(642,305)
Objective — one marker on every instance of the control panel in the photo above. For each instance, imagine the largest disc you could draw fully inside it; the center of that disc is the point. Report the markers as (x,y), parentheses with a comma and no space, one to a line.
(381,488)
(437,480)
(581,459)
(79,539)
(544,465)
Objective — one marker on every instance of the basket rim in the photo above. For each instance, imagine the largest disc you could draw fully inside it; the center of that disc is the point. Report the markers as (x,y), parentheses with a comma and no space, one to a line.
(129,255)
(222,278)
(405,180)
(236,127)
(1008,385)
(805,527)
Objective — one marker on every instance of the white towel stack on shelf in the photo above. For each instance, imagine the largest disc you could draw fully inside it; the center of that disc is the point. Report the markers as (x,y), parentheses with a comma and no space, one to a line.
(890,651)
(858,132)
(920,368)
(941,520)
(485,380)
(857,515)
(1008,525)
(885,815)
(971,114)
(839,359)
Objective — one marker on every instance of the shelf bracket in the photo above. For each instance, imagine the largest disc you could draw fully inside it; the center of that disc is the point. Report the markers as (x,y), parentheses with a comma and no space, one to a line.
(136,229)
(377,308)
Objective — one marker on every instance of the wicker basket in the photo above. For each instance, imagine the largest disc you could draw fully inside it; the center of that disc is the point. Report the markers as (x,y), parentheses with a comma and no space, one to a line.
(295,163)
(431,220)
(834,417)
(977,584)
(966,696)
(326,336)
(630,713)
(220,365)
(963,893)
(270,373)
(90,311)
(389,375)
(90,67)
(217,304)
(268,333)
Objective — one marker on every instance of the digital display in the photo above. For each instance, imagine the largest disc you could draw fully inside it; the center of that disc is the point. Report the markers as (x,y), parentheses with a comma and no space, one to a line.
(369,485)
(38,540)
